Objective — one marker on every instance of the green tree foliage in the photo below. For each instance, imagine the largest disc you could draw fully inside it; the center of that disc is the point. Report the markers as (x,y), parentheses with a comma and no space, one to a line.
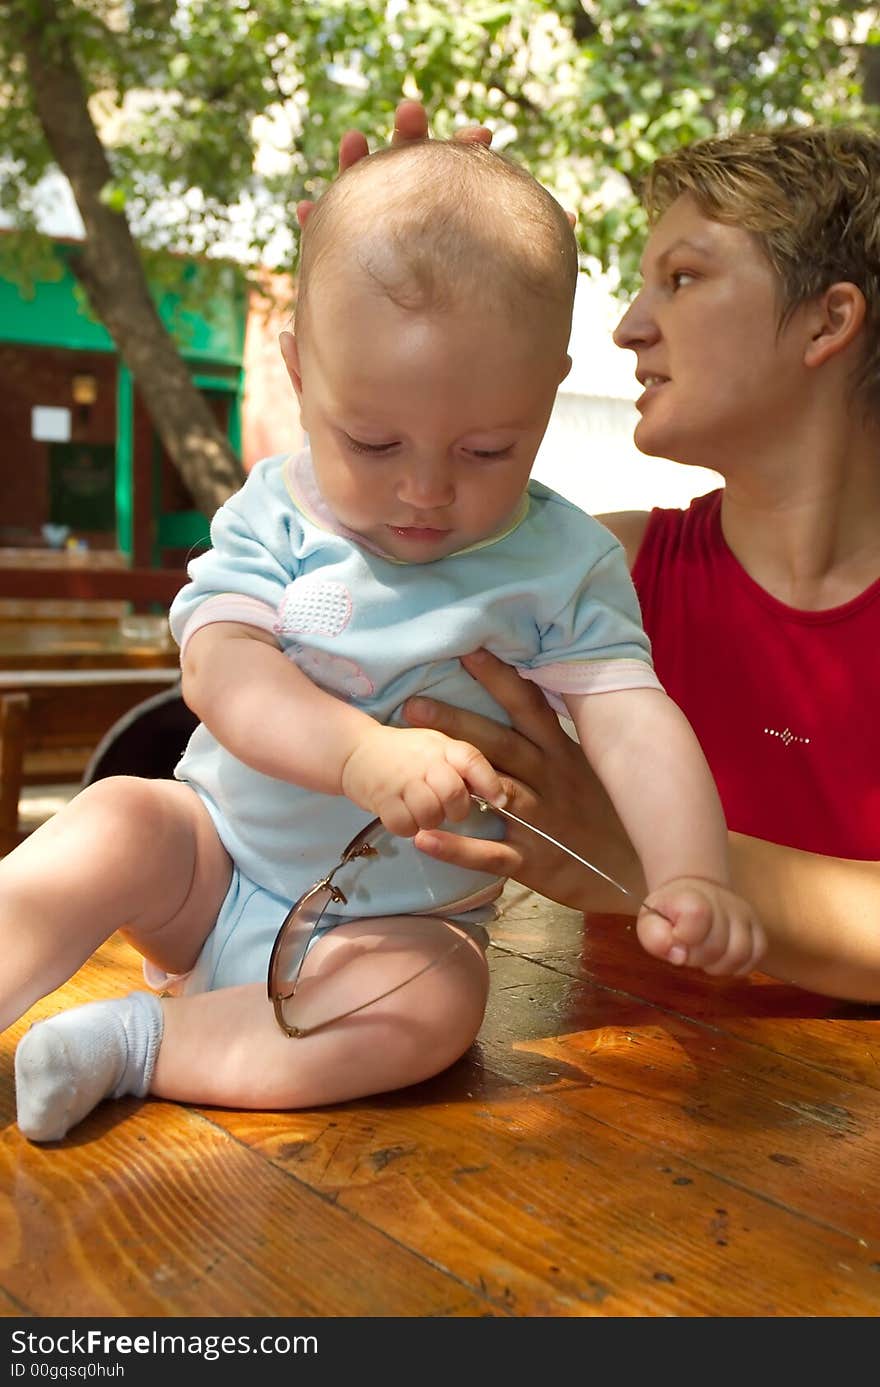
(216,116)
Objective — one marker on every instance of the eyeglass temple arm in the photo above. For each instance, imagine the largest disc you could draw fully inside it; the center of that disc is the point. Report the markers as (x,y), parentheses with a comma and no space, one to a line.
(485,806)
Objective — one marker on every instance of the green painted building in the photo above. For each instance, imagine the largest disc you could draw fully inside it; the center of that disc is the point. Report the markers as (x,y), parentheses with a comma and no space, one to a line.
(77,448)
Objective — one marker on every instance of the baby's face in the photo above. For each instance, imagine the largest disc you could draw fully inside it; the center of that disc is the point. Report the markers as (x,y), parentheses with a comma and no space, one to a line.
(423,427)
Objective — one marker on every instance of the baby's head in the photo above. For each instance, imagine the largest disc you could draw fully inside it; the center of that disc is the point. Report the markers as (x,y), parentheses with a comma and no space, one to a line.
(433,316)
(444,224)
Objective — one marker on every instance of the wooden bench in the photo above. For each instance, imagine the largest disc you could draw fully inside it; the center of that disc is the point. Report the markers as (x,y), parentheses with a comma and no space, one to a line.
(142,587)
(52,720)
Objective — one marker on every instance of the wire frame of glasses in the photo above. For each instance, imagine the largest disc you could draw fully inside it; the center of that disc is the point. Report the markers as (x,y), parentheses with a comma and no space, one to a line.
(304,1002)
(295,1005)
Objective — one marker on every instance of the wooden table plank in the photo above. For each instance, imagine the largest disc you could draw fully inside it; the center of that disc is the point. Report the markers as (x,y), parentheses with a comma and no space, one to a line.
(164,1214)
(784,1130)
(550,1214)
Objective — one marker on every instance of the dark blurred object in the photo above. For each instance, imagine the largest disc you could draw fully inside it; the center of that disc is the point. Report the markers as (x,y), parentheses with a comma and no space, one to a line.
(148,740)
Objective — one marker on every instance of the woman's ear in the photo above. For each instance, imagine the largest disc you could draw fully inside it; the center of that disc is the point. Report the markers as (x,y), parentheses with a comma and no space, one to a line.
(290,353)
(838,316)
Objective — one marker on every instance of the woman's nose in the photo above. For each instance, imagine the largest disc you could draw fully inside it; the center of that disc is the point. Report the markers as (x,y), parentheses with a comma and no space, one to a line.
(637,326)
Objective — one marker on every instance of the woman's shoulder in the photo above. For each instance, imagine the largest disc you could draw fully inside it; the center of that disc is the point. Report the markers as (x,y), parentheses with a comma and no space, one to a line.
(632,528)
(629,528)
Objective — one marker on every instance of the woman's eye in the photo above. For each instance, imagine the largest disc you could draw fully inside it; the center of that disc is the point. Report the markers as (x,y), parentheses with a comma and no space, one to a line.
(375,448)
(681,277)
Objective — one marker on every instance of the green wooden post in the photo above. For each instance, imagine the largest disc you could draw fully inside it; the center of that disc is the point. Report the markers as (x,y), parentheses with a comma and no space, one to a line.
(124,460)
(235,415)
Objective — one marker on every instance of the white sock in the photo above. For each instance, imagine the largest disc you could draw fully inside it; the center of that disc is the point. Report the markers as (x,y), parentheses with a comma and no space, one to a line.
(65,1066)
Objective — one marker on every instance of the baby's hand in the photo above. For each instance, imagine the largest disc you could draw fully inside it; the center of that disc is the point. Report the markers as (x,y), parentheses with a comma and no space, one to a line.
(707,926)
(413,778)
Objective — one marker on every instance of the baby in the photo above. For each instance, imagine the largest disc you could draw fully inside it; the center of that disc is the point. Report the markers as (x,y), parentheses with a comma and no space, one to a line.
(435,300)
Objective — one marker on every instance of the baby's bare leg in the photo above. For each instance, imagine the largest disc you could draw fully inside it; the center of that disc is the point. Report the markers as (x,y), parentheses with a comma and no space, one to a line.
(225,1048)
(137,855)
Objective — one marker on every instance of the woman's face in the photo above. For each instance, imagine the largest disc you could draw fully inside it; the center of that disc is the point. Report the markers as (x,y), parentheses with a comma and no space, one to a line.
(720,378)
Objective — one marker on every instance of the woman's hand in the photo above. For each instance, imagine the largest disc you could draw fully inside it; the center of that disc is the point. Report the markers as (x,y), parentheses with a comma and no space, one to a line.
(548,783)
(410,125)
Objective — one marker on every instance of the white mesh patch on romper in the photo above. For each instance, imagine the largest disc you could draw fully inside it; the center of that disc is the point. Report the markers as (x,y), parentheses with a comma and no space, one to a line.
(314,606)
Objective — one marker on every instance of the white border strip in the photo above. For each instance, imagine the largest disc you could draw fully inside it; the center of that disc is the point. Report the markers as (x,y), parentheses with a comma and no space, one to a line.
(60,678)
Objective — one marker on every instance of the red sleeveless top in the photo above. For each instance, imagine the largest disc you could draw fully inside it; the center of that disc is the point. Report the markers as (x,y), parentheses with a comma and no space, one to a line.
(783,702)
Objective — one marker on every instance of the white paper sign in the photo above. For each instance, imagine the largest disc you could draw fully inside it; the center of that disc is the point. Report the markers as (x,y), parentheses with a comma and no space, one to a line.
(50,424)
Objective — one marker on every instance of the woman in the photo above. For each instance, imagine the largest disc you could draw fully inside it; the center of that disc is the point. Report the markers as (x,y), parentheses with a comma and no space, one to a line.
(757,337)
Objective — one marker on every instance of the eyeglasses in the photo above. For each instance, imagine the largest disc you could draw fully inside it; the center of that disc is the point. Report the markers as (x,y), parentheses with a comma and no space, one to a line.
(304,1002)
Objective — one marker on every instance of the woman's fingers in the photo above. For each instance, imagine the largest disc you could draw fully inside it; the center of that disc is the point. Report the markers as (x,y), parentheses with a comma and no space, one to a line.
(529,711)
(410,125)
(352,147)
(548,779)
(474,854)
(410,122)
(473,134)
(520,749)
(500,745)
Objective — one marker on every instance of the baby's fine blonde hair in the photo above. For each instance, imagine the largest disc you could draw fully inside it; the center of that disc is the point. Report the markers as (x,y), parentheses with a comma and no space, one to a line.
(440,224)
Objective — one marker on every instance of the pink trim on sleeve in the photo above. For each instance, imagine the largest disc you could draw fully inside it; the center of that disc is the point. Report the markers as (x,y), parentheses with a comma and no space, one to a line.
(228,606)
(590,677)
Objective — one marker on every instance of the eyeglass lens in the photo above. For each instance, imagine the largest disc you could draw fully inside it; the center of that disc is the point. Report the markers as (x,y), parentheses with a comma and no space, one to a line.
(294,939)
(358,966)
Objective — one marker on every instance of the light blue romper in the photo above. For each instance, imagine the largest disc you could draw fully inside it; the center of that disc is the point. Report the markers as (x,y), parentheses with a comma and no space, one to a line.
(550,595)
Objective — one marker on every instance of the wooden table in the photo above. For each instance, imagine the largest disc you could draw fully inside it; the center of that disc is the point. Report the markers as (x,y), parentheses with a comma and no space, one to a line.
(624,1139)
(69,645)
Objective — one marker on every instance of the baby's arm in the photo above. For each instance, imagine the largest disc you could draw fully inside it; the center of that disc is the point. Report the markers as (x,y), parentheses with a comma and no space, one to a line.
(648,758)
(269,714)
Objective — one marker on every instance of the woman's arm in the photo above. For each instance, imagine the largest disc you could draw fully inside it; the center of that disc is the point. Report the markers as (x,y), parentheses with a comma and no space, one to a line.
(821,914)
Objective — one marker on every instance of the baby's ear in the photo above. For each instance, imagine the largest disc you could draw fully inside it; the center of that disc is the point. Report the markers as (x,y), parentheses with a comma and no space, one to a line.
(290,353)
(566,367)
